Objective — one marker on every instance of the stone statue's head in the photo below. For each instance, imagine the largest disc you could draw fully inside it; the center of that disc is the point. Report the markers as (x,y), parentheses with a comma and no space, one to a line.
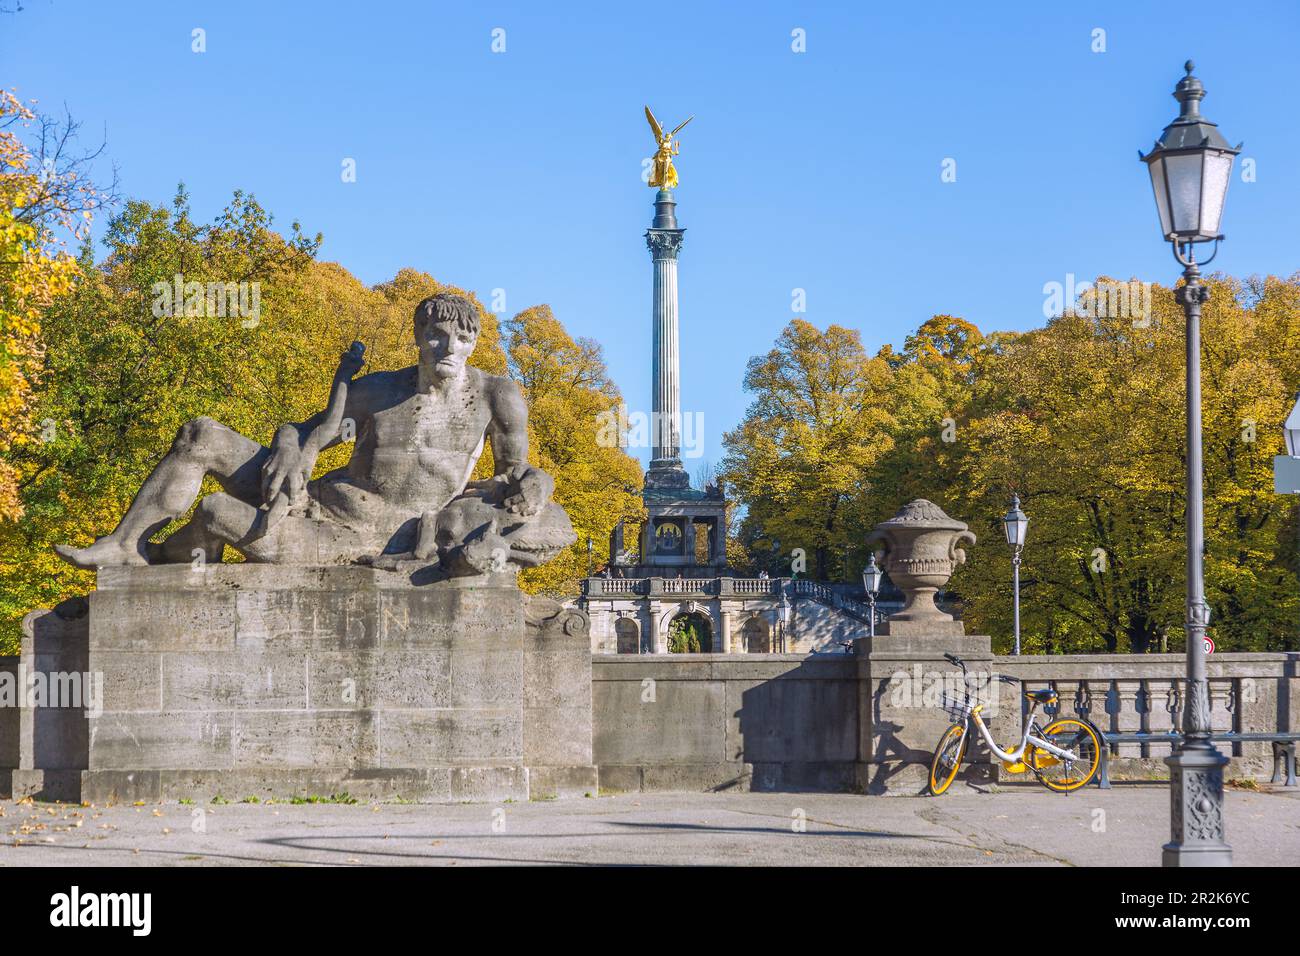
(446,330)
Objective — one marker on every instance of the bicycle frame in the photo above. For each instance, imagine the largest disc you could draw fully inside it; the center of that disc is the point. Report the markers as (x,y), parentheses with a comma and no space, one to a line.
(1015,757)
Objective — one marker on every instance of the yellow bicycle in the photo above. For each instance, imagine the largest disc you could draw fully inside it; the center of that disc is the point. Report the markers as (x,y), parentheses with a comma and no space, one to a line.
(1065,755)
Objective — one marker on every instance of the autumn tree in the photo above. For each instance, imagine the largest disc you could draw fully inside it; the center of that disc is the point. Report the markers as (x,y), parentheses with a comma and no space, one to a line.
(801,459)
(46,198)
(569,393)
(125,365)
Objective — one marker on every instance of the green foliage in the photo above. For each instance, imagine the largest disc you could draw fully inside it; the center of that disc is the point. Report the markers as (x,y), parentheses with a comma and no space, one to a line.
(688,634)
(807,442)
(118,378)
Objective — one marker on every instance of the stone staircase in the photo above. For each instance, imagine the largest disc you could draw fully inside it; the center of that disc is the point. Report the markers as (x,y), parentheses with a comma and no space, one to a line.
(833,599)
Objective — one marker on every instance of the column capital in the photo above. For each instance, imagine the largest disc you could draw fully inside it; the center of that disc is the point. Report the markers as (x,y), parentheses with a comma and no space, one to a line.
(664,243)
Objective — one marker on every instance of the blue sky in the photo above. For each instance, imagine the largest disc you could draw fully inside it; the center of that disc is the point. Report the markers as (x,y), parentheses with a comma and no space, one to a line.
(818,170)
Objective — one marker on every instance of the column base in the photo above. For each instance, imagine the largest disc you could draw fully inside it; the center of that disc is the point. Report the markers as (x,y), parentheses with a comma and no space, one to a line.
(667,473)
(1196,808)
(1175,857)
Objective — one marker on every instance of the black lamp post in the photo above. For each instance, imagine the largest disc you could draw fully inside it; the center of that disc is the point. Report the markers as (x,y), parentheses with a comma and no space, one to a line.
(784,612)
(1190,168)
(871,576)
(1015,523)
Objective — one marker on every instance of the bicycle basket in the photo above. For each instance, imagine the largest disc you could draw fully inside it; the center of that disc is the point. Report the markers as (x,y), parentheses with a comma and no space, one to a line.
(956,706)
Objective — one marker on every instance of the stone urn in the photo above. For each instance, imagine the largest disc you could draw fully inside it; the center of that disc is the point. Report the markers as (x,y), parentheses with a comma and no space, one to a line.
(921,552)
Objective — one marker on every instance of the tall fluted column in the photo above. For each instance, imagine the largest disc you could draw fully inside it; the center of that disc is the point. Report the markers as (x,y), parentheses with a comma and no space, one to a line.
(667,384)
(664,240)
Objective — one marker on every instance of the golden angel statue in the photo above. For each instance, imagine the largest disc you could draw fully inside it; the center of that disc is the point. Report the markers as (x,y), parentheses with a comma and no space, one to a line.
(664,175)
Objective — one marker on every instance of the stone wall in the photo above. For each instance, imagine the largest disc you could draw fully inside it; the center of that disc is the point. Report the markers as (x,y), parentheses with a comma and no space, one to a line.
(716,721)
(43,747)
(254,680)
(792,722)
(9,729)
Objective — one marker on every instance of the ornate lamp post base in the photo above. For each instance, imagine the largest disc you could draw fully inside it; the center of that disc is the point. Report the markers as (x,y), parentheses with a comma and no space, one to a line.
(1196,807)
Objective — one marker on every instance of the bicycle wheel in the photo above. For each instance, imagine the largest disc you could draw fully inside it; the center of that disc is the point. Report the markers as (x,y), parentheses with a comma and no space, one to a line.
(1076,736)
(947,758)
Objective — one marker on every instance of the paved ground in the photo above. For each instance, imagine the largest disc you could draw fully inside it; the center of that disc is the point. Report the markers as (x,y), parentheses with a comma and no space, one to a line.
(1018,826)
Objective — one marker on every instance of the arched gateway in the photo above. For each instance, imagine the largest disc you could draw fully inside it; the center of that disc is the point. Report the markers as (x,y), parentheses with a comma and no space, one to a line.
(690,633)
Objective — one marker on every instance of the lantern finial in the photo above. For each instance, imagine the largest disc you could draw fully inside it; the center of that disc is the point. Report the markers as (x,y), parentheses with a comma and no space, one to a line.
(1189,94)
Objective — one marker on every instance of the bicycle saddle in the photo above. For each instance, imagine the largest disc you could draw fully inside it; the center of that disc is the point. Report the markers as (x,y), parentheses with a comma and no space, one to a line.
(1041,696)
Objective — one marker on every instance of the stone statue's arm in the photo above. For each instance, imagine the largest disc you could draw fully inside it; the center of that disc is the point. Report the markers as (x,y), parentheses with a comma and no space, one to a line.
(508,429)
(296,446)
(528,488)
(328,430)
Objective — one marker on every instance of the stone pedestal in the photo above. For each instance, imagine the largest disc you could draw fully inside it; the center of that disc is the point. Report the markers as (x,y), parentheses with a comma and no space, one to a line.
(900,681)
(904,676)
(273,681)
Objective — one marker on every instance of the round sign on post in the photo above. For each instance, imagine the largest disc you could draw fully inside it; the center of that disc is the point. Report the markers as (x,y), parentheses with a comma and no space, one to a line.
(1209,646)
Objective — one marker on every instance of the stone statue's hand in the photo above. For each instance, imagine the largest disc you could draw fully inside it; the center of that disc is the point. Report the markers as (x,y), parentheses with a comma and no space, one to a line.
(530,490)
(351,361)
(283,470)
(384,562)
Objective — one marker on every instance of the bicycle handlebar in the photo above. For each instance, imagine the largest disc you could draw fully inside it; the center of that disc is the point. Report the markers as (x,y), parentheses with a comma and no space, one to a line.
(1003,678)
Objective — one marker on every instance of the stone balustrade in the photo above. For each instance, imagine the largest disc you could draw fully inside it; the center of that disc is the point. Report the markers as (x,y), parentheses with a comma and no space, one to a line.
(755,585)
(695,587)
(614,586)
(1144,693)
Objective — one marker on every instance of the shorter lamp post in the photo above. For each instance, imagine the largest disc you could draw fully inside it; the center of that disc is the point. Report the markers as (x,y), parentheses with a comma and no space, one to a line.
(588,555)
(784,613)
(871,575)
(1015,523)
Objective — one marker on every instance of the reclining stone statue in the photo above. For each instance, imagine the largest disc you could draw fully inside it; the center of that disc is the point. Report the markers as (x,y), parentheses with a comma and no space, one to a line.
(405,494)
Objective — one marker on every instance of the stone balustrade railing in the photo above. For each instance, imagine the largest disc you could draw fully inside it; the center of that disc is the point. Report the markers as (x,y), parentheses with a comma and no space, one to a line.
(1134,693)
(724,587)
(833,598)
(695,587)
(683,585)
(813,589)
(762,586)
(614,586)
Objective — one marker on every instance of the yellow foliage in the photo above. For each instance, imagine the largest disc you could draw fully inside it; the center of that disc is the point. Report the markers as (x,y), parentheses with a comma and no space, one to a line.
(34,271)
